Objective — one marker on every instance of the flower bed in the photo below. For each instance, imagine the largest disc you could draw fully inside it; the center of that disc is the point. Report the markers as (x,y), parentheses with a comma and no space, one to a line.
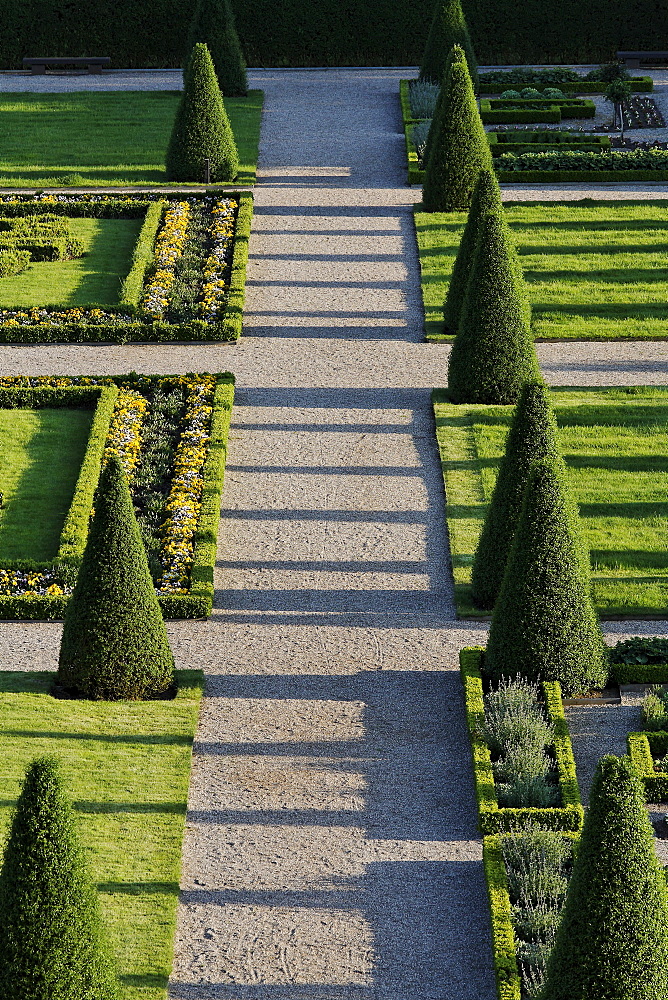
(148,308)
(492,817)
(186,494)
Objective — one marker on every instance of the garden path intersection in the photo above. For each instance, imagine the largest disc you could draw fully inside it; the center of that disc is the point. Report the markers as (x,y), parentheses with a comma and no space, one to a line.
(331,850)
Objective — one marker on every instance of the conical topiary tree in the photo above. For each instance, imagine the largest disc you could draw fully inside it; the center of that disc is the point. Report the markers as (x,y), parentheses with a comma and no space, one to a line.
(456,54)
(544,626)
(448,28)
(457,145)
(532,435)
(493,354)
(52,944)
(114,642)
(612,941)
(486,199)
(201,128)
(213,24)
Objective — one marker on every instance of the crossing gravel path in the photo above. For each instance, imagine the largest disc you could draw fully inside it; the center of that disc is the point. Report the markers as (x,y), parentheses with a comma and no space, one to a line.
(331,849)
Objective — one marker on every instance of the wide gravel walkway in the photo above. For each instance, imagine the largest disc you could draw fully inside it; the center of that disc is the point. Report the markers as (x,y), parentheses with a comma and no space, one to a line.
(331,849)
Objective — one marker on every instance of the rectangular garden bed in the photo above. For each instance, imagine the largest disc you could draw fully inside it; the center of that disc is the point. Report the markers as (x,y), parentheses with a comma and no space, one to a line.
(639,85)
(149,247)
(529,111)
(644,750)
(594,271)
(491,817)
(126,767)
(170,433)
(615,443)
(520,141)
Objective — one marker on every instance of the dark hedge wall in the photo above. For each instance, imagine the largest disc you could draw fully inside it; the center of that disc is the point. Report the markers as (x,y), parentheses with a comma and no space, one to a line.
(332,32)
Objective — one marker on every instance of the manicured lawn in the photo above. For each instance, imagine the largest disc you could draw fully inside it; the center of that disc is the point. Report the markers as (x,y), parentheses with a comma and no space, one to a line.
(94,279)
(595,270)
(615,442)
(41,451)
(126,766)
(117,138)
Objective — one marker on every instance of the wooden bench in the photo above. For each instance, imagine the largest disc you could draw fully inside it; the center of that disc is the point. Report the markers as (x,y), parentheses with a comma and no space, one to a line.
(92,64)
(632,60)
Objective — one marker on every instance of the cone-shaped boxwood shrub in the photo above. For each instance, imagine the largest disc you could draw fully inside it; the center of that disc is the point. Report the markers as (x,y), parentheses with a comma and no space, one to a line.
(456,54)
(532,435)
(114,642)
(612,941)
(448,28)
(493,354)
(544,626)
(201,128)
(486,199)
(51,939)
(213,23)
(458,147)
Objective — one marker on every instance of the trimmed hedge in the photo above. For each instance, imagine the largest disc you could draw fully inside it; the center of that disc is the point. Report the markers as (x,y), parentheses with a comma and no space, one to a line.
(643,749)
(639,85)
(588,176)
(527,111)
(508,982)
(546,142)
(142,256)
(448,28)
(492,818)
(622,160)
(639,673)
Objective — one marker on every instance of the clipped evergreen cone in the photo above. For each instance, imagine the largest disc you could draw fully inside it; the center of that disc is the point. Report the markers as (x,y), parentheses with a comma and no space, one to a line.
(532,436)
(448,28)
(486,199)
(114,643)
(213,24)
(544,626)
(612,941)
(201,128)
(52,944)
(493,354)
(457,145)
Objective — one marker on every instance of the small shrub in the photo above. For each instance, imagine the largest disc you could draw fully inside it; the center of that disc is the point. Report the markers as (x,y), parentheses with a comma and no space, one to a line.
(523,792)
(513,715)
(201,128)
(448,28)
(423,96)
(554,92)
(609,72)
(612,941)
(213,24)
(13,262)
(537,866)
(530,93)
(511,95)
(654,710)
(52,944)
(420,135)
(114,643)
(457,146)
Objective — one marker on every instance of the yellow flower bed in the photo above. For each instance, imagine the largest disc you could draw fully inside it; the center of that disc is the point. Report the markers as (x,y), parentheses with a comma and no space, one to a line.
(168,248)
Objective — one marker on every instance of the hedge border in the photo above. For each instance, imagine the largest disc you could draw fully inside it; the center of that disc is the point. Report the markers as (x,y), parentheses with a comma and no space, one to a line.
(504,955)
(639,673)
(227,329)
(639,85)
(198,603)
(493,818)
(498,148)
(654,782)
(589,176)
(142,256)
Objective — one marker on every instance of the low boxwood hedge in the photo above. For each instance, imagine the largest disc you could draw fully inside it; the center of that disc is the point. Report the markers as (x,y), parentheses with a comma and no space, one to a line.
(545,142)
(521,110)
(508,982)
(492,818)
(639,85)
(644,748)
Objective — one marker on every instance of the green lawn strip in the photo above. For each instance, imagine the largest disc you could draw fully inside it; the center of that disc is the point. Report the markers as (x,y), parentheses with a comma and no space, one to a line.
(92,280)
(615,442)
(595,271)
(42,451)
(107,139)
(126,767)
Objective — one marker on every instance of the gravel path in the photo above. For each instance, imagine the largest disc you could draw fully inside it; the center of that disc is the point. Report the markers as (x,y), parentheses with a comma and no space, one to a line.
(331,849)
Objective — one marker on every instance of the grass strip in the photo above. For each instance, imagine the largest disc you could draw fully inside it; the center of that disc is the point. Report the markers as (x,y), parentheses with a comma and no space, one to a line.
(126,766)
(615,443)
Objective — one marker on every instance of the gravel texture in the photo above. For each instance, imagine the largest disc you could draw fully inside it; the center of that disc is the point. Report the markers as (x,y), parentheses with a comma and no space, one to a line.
(331,849)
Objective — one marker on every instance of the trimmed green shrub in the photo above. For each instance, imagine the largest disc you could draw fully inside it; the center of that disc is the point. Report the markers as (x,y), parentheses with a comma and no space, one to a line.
(51,938)
(114,642)
(532,435)
(486,199)
(213,23)
(448,28)
(201,128)
(493,355)
(544,625)
(458,149)
(13,262)
(612,942)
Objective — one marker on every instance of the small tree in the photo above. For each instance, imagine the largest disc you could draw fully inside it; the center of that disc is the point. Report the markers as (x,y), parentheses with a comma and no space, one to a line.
(544,626)
(493,354)
(114,642)
(448,28)
(486,199)
(457,145)
(612,941)
(52,944)
(618,93)
(201,130)
(213,24)
(532,436)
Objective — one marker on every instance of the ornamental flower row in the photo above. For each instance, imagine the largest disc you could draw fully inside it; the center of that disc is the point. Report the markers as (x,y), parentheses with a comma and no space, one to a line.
(221,238)
(168,248)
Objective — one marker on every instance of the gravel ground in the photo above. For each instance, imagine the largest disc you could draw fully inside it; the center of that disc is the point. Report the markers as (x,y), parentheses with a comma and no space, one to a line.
(331,849)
